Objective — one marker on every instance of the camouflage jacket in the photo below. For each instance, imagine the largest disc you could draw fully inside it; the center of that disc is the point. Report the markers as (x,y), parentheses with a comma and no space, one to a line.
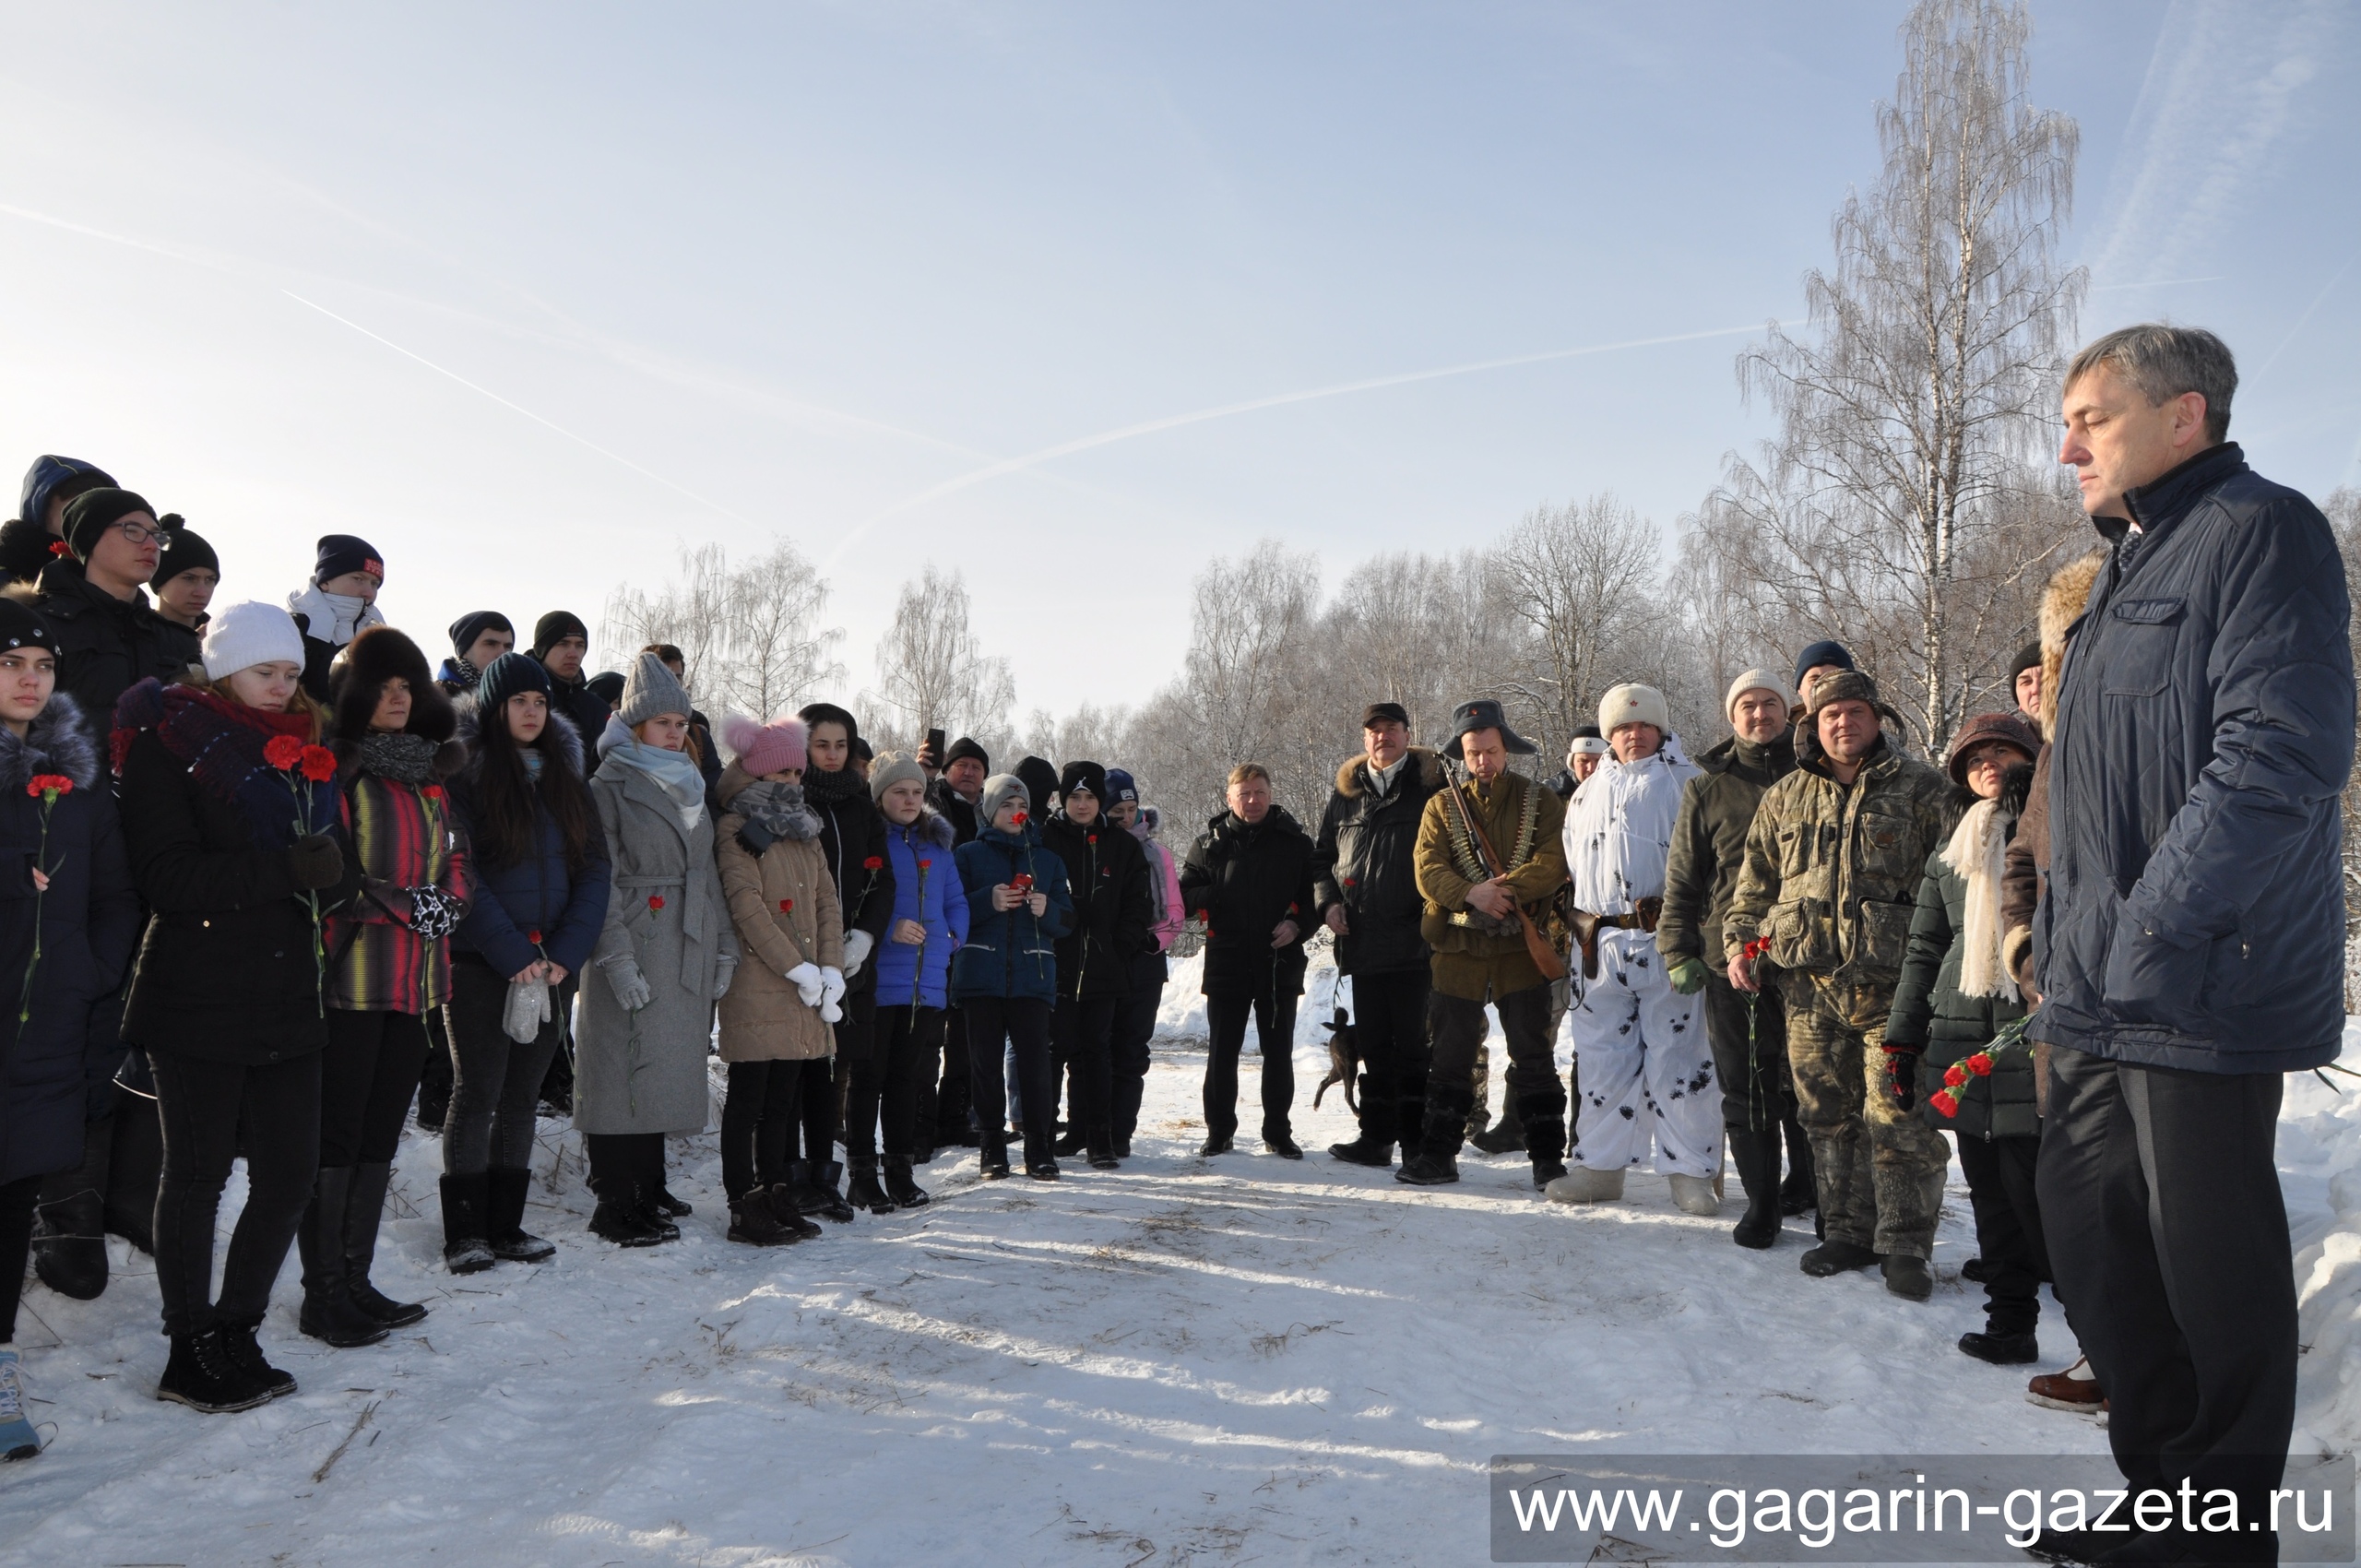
(1832,872)
(1474,954)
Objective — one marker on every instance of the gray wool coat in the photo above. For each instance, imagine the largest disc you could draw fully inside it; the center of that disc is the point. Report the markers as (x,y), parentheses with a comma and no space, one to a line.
(648,1074)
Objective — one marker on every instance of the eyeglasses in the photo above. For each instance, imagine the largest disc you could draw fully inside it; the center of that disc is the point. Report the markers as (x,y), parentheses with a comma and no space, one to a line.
(140,533)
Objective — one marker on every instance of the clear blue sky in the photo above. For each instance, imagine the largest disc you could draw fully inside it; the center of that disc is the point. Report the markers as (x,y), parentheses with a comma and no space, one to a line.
(706,272)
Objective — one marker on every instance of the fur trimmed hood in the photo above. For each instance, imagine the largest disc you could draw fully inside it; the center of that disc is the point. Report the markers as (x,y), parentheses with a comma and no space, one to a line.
(467,729)
(58,741)
(1423,761)
(2061,605)
(932,827)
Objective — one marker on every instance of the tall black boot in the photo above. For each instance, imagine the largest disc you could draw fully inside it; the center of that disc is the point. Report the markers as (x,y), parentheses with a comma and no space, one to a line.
(504,1192)
(1506,1135)
(328,1313)
(816,1191)
(864,1191)
(70,1225)
(1099,1148)
(1445,1125)
(1755,1154)
(951,1127)
(1543,1114)
(992,1156)
(435,1078)
(365,1210)
(135,1169)
(1797,1194)
(1379,1116)
(902,1187)
(1409,1122)
(467,1223)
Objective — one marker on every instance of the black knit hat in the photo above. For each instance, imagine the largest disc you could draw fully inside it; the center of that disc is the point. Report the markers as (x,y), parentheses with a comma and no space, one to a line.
(342,553)
(2028,658)
(475,624)
(554,628)
(1826,652)
(607,687)
(1040,780)
(22,626)
(860,750)
(91,513)
(1088,776)
(512,674)
(181,551)
(964,747)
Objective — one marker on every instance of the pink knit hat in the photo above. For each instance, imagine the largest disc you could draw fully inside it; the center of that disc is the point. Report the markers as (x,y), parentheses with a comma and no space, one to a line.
(765,749)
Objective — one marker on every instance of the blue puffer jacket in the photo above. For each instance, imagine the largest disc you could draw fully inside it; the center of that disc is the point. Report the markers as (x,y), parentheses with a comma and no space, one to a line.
(1009,953)
(926,889)
(2195,912)
(536,893)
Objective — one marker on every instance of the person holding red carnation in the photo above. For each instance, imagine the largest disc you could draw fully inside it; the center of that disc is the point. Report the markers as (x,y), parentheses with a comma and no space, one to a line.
(237,856)
(1954,997)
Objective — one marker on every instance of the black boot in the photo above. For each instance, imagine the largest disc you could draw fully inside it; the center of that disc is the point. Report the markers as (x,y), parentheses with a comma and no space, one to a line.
(365,1211)
(1756,1157)
(1374,1145)
(619,1217)
(992,1156)
(1504,1137)
(1907,1276)
(70,1225)
(1543,1114)
(1072,1142)
(902,1186)
(467,1224)
(816,1191)
(1100,1148)
(1041,1156)
(951,1126)
(1796,1193)
(1409,1123)
(201,1375)
(864,1191)
(1836,1258)
(783,1209)
(504,1195)
(1445,1125)
(434,1081)
(245,1354)
(135,1169)
(754,1223)
(329,1312)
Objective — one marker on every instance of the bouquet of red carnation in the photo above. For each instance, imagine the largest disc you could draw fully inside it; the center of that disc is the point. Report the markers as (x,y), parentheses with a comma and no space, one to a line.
(298,761)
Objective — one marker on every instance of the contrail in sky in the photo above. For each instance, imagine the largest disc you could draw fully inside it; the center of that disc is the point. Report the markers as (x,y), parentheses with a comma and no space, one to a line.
(1199,416)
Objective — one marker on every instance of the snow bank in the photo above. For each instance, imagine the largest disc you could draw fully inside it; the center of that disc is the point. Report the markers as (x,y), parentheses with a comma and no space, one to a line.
(2319,1169)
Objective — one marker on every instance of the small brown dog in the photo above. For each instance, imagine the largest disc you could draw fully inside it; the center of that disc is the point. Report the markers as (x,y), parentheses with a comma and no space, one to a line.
(1344,1062)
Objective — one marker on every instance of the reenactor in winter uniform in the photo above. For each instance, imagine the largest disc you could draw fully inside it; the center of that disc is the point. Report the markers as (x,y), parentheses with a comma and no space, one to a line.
(1748,1032)
(1477,909)
(1647,1073)
(1365,879)
(1834,860)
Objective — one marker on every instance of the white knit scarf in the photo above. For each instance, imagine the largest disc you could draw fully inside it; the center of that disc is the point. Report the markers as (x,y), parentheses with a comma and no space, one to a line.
(1976,855)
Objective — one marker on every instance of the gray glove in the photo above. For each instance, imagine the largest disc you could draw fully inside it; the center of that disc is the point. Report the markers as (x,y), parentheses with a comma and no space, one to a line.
(723,973)
(857,947)
(629,985)
(528,1010)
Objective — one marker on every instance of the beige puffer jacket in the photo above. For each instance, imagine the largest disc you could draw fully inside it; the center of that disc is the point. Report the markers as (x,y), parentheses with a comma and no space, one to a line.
(784,905)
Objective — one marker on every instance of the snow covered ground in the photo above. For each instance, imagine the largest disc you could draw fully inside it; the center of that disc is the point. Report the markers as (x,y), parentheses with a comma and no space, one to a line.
(1224,1362)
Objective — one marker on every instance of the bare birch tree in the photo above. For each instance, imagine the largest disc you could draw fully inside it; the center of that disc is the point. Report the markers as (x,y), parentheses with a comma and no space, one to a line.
(931,670)
(1582,579)
(751,636)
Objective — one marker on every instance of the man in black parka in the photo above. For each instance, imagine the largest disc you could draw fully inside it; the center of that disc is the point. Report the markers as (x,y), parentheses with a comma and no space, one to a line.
(1366,884)
(2189,950)
(108,637)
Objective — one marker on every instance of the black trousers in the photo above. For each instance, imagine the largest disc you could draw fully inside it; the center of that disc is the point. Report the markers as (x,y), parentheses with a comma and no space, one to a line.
(1127,1058)
(213,1111)
(758,1121)
(1457,1027)
(1390,1028)
(367,1076)
(1081,1038)
(17,1199)
(2169,1237)
(2000,1173)
(496,1082)
(1275,1037)
(905,1042)
(1748,1038)
(622,1161)
(994,1025)
(824,1115)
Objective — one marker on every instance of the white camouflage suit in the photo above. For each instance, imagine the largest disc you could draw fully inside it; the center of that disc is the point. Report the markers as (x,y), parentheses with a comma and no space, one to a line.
(1646,1071)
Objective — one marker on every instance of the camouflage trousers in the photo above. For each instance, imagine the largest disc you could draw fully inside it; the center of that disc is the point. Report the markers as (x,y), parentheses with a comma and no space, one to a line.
(1879,1168)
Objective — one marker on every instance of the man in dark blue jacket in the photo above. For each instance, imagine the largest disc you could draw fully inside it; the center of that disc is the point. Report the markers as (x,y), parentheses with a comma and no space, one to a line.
(2190,946)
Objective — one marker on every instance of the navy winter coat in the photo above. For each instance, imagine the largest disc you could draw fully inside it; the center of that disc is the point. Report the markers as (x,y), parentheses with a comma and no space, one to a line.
(2195,912)
(90,919)
(1009,953)
(537,892)
(926,889)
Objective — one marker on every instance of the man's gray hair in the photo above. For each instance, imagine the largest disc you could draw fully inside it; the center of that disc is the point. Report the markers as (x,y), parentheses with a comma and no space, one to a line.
(2162,362)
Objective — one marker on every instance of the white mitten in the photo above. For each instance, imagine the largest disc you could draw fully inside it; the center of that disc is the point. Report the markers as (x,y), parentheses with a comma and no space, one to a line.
(831,997)
(857,947)
(805,979)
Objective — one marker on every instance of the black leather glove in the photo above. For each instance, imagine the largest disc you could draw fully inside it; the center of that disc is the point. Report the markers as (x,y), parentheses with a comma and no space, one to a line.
(316,861)
(1902,1074)
(433,912)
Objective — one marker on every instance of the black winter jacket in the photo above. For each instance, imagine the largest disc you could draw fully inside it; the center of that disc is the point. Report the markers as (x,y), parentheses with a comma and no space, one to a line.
(1365,859)
(852,834)
(87,920)
(1113,910)
(2195,912)
(538,892)
(589,712)
(1709,844)
(106,646)
(953,808)
(1245,880)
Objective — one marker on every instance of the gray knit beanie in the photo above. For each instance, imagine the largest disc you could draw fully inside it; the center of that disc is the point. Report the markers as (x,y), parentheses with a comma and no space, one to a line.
(889,768)
(650,690)
(999,789)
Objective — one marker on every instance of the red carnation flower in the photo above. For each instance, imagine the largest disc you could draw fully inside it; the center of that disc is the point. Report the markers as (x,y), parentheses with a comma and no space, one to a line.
(1946,1102)
(432,791)
(319,764)
(534,937)
(1980,1064)
(786,905)
(49,784)
(874,862)
(655,900)
(59,547)
(282,751)
(1020,818)
(1954,1075)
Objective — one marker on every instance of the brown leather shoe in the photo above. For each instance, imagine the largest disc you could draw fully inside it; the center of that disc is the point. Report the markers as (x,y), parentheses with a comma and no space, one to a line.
(2064,1390)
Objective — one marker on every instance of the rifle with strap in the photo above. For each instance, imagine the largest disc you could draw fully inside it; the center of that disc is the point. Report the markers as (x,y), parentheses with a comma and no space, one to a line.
(1537,948)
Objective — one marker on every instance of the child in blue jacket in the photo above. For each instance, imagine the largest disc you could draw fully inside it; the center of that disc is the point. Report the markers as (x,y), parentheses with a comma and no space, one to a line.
(1004,979)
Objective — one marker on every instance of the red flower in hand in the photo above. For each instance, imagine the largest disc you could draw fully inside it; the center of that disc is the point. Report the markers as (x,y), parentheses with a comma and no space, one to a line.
(1980,1064)
(1945,1101)
(1955,1075)
(874,862)
(655,900)
(787,906)
(49,784)
(432,791)
(319,764)
(534,937)
(282,751)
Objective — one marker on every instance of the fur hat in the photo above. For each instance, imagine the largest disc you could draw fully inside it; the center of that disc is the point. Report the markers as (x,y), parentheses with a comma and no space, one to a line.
(764,749)
(650,689)
(999,789)
(2062,603)
(1757,681)
(889,768)
(1633,703)
(2014,729)
(1484,714)
(376,656)
(250,634)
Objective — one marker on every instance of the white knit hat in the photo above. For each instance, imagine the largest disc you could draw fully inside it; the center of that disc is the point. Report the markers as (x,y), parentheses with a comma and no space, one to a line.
(250,634)
(1757,681)
(1633,703)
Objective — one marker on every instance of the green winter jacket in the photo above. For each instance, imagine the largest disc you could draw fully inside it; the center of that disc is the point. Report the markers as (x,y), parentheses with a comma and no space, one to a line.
(1709,845)
(1930,1012)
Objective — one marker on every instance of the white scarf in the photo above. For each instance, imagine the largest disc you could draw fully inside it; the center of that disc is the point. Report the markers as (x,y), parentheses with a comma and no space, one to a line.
(1975,854)
(333,618)
(675,773)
